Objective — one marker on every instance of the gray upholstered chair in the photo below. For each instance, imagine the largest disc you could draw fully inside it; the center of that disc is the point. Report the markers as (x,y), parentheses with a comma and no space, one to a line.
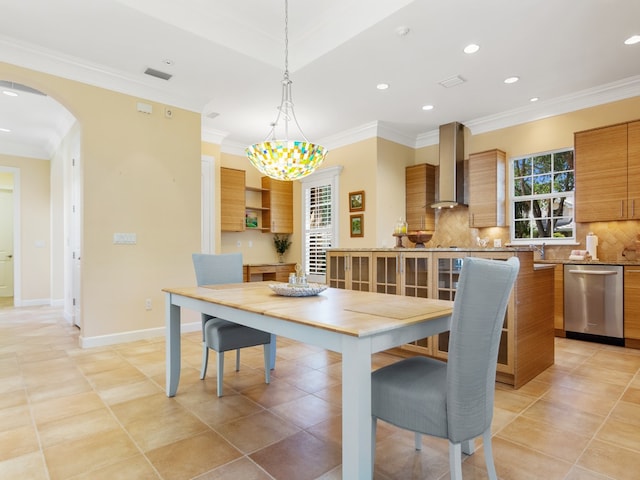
(222,335)
(453,400)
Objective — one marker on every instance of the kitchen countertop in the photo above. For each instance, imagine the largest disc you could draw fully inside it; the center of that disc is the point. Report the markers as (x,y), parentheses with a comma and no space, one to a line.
(561,261)
(440,249)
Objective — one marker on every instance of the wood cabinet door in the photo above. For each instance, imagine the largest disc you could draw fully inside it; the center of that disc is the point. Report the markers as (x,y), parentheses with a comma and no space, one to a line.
(487,184)
(386,273)
(632,304)
(278,198)
(601,174)
(232,199)
(633,170)
(420,194)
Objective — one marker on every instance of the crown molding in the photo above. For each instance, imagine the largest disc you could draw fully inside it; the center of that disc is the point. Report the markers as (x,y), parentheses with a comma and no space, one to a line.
(55,63)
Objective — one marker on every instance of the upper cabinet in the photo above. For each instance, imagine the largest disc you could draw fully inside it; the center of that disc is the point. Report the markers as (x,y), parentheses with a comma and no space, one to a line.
(232,200)
(633,168)
(277,197)
(420,195)
(607,166)
(269,208)
(487,184)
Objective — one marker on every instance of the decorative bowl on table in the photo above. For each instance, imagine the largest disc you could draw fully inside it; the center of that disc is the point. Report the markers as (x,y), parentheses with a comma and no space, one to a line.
(293,290)
(419,238)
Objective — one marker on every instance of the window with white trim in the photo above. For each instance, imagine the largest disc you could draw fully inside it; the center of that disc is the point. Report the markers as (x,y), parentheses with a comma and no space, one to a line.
(542,198)
(319,217)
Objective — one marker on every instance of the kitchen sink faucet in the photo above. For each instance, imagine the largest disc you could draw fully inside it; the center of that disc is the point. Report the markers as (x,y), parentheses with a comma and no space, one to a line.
(539,249)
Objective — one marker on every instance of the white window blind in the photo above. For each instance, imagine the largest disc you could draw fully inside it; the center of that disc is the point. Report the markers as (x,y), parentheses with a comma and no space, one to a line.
(319,220)
(318,227)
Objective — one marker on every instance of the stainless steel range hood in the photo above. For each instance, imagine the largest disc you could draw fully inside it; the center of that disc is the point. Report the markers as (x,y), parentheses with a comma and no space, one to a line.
(451,192)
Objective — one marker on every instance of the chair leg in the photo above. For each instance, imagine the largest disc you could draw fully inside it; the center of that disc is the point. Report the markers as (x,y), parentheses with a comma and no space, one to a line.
(220,370)
(238,360)
(468,447)
(455,461)
(205,360)
(374,424)
(267,360)
(488,454)
(418,441)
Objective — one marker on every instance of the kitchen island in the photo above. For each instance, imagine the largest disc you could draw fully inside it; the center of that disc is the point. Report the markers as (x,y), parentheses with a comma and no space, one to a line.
(527,343)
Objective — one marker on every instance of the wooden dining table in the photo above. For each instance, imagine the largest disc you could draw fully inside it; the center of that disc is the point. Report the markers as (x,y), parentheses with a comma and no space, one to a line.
(352,323)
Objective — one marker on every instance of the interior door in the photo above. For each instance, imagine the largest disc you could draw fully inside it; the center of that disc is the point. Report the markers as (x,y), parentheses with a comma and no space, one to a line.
(6,242)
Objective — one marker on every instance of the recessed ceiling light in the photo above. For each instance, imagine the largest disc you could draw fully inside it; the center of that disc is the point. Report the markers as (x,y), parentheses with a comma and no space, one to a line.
(9,93)
(402,31)
(382,86)
(632,40)
(168,62)
(511,79)
(534,99)
(427,107)
(5,130)
(471,48)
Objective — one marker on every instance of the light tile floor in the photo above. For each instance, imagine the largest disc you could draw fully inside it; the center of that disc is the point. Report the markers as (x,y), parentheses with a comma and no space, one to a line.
(101,413)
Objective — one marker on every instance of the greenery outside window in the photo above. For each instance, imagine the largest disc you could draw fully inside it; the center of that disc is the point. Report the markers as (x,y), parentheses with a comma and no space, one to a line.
(542,198)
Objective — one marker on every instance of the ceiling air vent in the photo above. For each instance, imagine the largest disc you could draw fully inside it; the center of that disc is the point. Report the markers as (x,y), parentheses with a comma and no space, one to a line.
(158,74)
(452,81)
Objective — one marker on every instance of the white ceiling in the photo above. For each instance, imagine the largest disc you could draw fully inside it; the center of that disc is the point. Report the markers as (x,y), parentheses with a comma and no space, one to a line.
(228,58)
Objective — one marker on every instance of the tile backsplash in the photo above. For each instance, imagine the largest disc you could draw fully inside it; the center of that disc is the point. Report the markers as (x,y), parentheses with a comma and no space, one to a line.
(452,229)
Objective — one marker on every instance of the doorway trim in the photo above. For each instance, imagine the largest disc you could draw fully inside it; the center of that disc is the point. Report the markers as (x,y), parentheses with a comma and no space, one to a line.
(17,250)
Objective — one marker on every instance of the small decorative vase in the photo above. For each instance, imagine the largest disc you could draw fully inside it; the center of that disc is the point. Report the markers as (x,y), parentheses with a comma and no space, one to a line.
(281,257)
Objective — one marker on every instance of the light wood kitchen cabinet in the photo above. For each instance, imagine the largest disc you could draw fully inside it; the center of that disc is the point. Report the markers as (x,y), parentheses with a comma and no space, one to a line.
(607,173)
(268,208)
(401,273)
(232,200)
(420,194)
(277,198)
(633,168)
(487,185)
(527,342)
(349,270)
(278,272)
(558,300)
(632,306)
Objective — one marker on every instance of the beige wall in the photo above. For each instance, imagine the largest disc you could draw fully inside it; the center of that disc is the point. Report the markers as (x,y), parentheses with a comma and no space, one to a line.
(35,231)
(141,174)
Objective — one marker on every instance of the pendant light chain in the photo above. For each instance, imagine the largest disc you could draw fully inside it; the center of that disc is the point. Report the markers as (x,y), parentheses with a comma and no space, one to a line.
(286,159)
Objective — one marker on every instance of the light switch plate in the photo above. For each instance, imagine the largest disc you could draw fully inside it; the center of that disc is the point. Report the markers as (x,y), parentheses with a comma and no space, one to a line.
(124,238)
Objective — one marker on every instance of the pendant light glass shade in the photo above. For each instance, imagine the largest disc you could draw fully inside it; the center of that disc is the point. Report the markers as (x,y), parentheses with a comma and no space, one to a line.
(286,159)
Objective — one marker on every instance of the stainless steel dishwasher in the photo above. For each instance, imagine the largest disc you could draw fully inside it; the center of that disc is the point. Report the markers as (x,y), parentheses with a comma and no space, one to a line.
(593,303)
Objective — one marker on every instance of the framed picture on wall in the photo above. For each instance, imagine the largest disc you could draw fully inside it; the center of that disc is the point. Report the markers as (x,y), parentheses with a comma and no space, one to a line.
(356,201)
(357,225)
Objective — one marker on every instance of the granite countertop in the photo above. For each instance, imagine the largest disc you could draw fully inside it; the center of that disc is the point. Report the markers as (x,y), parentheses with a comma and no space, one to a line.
(428,249)
(563,261)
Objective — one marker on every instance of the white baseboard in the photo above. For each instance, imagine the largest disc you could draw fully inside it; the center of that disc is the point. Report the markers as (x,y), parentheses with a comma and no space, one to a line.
(36,302)
(132,336)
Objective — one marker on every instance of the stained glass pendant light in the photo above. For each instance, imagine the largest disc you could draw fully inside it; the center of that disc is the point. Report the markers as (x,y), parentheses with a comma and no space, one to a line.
(286,159)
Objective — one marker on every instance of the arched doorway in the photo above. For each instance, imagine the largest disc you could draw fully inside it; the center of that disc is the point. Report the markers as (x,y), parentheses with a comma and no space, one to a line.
(38,141)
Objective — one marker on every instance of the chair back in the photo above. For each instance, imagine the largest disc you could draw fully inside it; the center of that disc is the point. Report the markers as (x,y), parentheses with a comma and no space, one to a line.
(215,269)
(478,314)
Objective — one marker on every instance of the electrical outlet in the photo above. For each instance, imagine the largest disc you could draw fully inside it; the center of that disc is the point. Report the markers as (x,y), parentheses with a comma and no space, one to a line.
(497,243)
(147,304)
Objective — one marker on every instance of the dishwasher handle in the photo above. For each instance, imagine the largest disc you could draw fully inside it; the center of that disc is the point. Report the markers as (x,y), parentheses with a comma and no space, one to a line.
(595,272)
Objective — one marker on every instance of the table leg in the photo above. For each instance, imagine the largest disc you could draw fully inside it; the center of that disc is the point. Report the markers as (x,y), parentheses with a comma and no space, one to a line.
(172,323)
(272,360)
(356,409)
